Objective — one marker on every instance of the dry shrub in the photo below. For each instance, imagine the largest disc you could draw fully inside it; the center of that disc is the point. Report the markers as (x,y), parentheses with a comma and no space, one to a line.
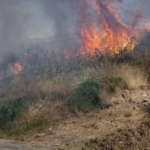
(128,114)
(61,86)
(37,87)
(133,76)
(92,123)
(26,87)
(105,98)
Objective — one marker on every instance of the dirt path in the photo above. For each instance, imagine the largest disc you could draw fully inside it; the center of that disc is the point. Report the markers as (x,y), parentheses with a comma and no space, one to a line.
(13,145)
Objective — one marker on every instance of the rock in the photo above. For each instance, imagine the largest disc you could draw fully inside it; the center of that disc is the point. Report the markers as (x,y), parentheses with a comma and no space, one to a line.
(127,91)
(145,103)
(51,131)
(125,95)
(135,108)
(131,100)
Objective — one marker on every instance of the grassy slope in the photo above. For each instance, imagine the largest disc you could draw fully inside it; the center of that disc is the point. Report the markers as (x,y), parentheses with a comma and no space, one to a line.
(124,125)
(50,119)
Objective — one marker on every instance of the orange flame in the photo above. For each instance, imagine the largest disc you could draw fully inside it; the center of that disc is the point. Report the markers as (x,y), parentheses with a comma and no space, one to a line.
(16,68)
(102,31)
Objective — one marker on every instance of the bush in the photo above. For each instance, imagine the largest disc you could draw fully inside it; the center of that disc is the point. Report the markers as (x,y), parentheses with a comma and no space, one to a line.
(10,110)
(133,76)
(86,96)
(110,83)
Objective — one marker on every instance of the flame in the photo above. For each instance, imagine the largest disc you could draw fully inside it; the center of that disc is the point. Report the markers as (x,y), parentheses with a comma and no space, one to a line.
(16,68)
(102,31)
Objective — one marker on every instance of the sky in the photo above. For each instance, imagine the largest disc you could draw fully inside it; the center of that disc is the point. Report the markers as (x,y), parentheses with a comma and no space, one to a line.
(29,23)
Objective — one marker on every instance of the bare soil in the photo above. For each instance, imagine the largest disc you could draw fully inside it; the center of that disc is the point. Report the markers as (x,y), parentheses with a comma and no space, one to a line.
(124,125)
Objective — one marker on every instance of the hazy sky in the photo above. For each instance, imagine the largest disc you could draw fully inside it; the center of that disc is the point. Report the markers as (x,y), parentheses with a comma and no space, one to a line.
(23,22)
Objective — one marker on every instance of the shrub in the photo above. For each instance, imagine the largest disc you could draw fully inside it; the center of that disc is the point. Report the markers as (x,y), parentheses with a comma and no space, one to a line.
(133,76)
(110,83)
(5,115)
(85,95)
(10,110)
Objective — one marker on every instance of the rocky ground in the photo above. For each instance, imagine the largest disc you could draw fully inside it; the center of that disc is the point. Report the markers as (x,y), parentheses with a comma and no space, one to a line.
(124,125)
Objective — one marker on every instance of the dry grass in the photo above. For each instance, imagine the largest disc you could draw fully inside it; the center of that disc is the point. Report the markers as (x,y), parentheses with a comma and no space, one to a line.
(92,123)
(44,88)
(133,76)
(128,114)
(105,98)
(60,86)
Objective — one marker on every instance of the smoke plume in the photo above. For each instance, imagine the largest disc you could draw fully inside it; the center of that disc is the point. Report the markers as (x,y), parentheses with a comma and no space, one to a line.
(54,24)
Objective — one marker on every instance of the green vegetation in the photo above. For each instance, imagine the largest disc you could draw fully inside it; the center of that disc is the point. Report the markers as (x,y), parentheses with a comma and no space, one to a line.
(11,109)
(86,95)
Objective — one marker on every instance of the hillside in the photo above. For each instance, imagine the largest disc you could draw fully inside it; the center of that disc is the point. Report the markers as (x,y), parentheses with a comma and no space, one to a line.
(75,74)
(78,106)
(124,125)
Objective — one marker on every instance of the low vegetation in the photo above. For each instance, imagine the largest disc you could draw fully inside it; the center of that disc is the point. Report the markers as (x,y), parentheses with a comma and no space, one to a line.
(85,96)
(52,87)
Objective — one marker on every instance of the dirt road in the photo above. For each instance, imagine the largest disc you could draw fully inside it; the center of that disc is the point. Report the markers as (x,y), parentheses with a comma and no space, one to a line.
(13,145)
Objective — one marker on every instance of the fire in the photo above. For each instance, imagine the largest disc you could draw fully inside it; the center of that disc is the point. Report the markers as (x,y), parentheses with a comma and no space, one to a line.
(102,31)
(16,68)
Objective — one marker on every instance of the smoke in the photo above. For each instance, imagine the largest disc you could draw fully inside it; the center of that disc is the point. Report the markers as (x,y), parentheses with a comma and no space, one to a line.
(21,22)
(50,23)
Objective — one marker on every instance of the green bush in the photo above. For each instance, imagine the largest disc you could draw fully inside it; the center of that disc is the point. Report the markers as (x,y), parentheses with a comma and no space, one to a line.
(5,115)
(10,110)
(86,96)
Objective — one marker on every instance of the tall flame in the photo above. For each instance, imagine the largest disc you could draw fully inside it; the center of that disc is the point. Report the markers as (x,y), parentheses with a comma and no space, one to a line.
(102,30)
(16,68)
